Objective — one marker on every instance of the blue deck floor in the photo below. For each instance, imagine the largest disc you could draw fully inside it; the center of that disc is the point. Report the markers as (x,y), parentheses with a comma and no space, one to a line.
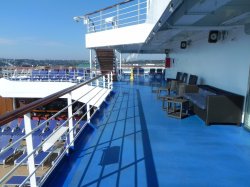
(137,144)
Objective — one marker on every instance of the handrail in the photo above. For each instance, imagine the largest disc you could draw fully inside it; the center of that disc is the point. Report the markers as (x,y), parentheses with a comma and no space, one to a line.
(8,117)
(105,77)
(109,7)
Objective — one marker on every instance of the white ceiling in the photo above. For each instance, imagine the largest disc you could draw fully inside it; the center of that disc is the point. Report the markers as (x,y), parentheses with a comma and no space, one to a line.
(191,18)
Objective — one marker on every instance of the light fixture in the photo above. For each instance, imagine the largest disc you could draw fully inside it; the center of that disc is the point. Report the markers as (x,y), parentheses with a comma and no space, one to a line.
(159,24)
(76,18)
(79,18)
(171,8)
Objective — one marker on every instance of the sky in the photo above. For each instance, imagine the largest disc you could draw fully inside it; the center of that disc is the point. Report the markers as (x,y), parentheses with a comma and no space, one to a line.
(45,29)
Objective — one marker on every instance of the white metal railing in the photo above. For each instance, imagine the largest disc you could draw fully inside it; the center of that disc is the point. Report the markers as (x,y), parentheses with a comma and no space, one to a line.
(63,135)
(117,16)
(49,75)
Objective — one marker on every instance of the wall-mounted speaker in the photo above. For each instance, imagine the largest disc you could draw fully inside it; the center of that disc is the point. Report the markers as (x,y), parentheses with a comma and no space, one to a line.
(183,45)
(213,36)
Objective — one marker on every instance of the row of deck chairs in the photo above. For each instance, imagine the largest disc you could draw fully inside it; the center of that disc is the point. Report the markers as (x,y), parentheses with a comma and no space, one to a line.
(56,75)
(173,85)
(38,137)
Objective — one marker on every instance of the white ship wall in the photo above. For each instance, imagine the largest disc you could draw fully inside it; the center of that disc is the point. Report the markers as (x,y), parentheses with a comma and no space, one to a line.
(224,64)
(120,36)
(156,9)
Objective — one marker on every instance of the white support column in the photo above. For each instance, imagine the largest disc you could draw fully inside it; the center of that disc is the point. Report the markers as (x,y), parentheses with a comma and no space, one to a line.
(70,113)
(30,149)
(103,81)
(88,113)
(97,82)
(120,64)
(148,7)
(90,64)
(111,80)
(108,81)
(116,62)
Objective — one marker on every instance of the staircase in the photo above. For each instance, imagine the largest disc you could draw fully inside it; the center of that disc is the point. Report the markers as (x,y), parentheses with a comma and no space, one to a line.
(106,59)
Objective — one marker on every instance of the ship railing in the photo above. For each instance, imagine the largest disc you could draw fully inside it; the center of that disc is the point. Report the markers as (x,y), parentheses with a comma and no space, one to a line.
(49,75)
(127,13)
(71,123)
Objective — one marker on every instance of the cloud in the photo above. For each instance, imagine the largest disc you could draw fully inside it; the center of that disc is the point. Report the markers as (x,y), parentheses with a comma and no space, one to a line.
(31,41)
(6,41)
(51,44)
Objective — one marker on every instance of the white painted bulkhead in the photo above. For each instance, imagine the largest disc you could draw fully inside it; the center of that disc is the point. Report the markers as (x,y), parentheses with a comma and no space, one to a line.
(224,64)
(135,34)
(120,36)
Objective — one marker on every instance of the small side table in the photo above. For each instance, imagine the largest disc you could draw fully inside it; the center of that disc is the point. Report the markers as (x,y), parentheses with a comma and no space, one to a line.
(165,100)
(181,111)
(155,86)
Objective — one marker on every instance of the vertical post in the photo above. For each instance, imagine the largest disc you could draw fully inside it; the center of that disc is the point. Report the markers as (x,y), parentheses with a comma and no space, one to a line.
(117,15)
(100,20)
(103,81)
(138,11)
(88,112)
(14,103)
(111,80)
(97,82)
(121,64)
(90,59)
(108,81)
(148,7)
(30,149)
(90,65)
(116,62)
(70,113)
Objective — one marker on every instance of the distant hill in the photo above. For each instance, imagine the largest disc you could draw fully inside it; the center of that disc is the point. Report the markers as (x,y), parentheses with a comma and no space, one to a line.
(31,62)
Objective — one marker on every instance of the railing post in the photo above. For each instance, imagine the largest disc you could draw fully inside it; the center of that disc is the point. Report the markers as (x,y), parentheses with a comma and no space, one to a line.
(111,80)
(138,11)
(103,81)
(88,112)
(30,149)
(108,81)
(117,15)
(97,82)
(70,114)
(100,20)
(120,64)
(90,64)
(148,7)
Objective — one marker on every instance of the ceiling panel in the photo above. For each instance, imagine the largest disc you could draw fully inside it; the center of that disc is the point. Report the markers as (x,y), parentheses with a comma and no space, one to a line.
(188,19)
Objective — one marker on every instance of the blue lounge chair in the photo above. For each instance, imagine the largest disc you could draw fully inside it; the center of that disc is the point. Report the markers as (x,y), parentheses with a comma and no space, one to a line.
(18,180)
(6,155)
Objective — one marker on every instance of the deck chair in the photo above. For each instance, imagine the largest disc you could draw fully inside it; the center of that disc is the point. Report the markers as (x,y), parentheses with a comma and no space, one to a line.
(171,84)
(171,87)
(41,158)
(4,157)
(18,180)
(177,78)
(184,78)
(192,80)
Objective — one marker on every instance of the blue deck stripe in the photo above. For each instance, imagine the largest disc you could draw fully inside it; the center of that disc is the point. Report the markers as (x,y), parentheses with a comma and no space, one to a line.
(149,162)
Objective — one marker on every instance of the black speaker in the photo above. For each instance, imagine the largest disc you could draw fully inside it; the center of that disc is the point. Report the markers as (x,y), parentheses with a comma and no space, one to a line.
(213,36)
(183,44)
